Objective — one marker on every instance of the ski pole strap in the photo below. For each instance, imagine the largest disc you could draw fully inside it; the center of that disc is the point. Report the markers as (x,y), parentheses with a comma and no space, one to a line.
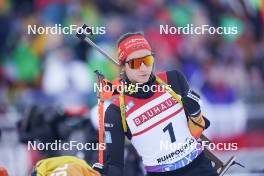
(123,110)
(173,93)
(101,130)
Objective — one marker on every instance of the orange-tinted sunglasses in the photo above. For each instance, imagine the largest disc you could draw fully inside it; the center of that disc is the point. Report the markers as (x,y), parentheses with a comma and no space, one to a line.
(136,63)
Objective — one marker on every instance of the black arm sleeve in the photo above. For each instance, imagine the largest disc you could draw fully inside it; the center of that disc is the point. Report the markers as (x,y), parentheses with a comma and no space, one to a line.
(180,85)
(115,138)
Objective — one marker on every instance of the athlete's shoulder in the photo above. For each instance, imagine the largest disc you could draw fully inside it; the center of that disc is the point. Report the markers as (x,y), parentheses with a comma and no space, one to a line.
(176,79)
(115,101)
(172,75)
(113,110)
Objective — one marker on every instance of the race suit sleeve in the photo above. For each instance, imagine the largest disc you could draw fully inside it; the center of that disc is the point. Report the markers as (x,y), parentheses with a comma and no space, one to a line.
(180,85)
(178,82)
(114,137)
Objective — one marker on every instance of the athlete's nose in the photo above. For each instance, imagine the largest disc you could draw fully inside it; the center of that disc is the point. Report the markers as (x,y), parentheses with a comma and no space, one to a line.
(143,67)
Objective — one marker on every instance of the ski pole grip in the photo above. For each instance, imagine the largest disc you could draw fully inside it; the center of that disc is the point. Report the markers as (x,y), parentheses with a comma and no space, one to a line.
(81,33)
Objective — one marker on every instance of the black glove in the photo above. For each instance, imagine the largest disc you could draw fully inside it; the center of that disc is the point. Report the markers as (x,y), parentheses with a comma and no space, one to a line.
(191,104)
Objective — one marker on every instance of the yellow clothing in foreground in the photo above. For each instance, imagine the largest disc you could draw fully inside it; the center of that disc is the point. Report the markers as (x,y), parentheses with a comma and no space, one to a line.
(64,166)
